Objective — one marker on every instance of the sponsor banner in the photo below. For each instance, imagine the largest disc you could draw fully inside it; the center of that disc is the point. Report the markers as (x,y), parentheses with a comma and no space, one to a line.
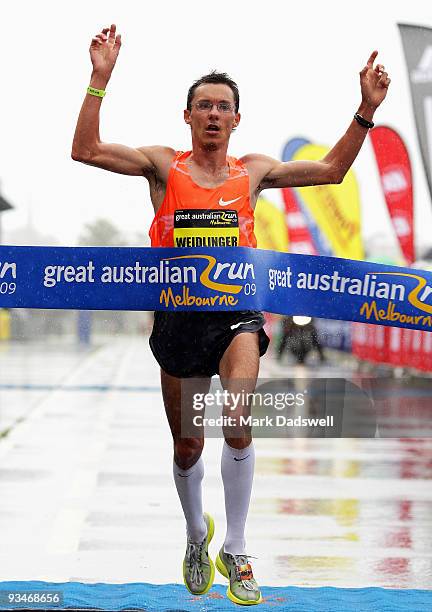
(395,174)
(395,346)
(395,354)
(359,340)
(426,362)
(304,235)
(239,278)
(417,45)
(407,348)
(379,343)
(334,208)
(364,346)
(270,226)
(415,355)
(300,237)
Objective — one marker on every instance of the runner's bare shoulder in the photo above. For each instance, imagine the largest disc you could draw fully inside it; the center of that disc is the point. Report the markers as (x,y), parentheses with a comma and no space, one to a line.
(160,158)
(258,167)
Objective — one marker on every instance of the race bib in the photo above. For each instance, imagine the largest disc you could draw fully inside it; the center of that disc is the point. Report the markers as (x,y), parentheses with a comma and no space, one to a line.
(206,228)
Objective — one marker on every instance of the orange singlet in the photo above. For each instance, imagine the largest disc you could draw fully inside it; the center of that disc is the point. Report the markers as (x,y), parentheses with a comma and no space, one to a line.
(194,216)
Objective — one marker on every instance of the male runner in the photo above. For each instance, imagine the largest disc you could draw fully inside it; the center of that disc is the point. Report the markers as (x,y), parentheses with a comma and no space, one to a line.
(194,344)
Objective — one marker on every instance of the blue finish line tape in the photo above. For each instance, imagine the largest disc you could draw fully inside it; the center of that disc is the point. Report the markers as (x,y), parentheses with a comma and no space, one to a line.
(175,598)
(238,278)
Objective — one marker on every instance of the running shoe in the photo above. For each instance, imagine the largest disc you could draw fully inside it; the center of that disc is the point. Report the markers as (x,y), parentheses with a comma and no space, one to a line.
(243,588)
(198,568)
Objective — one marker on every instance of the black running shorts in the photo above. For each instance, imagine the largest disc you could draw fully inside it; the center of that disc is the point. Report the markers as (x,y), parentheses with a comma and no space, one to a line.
(188,344)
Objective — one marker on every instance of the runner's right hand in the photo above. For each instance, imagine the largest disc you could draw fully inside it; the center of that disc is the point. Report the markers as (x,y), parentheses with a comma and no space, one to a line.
(104,50)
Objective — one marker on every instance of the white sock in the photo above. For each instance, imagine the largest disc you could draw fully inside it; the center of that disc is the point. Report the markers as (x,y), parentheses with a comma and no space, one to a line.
(188,483)
(237,469)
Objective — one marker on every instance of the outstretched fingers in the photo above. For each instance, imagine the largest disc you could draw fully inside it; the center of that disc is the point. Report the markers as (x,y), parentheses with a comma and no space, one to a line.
(107,35)
(112,33)
(371,59)
(114,39)
(370,63)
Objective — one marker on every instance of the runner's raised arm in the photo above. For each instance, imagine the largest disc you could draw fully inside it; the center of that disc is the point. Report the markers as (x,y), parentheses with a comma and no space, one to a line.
(374,83)
(87,146)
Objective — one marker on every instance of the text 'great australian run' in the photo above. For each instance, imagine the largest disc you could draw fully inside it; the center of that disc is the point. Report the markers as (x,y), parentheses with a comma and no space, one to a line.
(164,273)
(369,286)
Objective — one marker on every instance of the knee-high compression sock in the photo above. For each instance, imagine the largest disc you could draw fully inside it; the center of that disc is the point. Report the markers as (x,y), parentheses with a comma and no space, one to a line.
(188,483)
(237,469)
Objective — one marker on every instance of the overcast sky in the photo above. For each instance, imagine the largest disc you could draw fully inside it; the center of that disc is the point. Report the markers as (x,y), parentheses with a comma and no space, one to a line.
(296,64)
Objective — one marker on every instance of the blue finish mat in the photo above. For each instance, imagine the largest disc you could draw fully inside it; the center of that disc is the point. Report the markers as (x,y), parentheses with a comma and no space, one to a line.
(175,598)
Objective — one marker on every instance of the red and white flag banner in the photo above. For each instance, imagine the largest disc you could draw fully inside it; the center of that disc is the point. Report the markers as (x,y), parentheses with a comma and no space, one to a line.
(396,179)
(300,239)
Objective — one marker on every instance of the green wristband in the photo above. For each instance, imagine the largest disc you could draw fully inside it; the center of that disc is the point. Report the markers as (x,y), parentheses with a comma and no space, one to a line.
(99,93)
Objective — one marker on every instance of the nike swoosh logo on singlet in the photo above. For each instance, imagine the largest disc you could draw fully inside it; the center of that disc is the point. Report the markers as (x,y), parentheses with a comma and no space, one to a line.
(223,203)
(235,458)
(241,323)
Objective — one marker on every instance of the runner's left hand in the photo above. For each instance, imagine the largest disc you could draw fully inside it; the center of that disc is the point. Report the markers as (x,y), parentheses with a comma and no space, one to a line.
(374,82)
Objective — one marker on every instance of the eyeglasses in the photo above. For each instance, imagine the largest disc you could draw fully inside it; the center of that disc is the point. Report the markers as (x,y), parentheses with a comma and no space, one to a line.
(206,105)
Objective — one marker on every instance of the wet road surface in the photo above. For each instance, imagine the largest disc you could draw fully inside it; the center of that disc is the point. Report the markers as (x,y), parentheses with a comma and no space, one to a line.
(87,493)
